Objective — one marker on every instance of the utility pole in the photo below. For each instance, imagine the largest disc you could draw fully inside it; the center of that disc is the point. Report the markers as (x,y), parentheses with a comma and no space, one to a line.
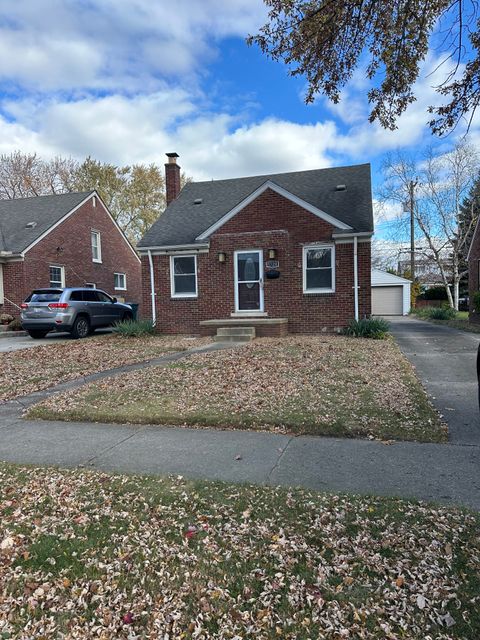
(411,189)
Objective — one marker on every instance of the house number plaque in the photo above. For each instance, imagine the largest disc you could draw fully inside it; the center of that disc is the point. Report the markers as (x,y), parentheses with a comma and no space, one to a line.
(272,264)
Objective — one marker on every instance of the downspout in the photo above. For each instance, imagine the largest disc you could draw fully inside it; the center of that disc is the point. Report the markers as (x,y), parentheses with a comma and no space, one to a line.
(152,288)
(355,274)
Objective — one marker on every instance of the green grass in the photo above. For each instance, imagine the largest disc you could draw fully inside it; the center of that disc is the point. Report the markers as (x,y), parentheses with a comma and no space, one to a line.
(460,321)
(331,386)
(89,548)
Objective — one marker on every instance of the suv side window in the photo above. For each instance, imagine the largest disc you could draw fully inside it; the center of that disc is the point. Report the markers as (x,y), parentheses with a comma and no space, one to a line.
(76,296)
(103,297)
(90,295)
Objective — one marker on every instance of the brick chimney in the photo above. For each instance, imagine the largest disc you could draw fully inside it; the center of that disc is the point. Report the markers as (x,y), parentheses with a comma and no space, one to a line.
(172,177)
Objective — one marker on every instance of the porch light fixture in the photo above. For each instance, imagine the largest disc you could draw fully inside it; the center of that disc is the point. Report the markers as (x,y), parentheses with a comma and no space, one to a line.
(222,256)
(272,254)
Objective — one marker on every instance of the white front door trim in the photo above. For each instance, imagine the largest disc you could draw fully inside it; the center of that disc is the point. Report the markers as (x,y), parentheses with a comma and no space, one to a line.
(260,281)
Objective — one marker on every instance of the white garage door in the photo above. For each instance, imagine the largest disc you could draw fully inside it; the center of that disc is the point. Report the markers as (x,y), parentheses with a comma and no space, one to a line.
(387,301)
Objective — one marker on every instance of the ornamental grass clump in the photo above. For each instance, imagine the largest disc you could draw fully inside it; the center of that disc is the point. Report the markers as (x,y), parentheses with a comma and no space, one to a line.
(134,328)
(375,328)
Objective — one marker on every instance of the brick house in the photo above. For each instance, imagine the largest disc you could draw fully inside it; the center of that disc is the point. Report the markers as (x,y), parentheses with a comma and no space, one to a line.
(284,252)
(63,240)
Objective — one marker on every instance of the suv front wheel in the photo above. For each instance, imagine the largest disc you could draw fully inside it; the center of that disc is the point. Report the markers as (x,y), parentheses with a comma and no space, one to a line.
(81,327)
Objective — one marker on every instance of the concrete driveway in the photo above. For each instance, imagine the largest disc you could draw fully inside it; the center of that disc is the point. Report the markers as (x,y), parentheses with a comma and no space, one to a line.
(15,343)
(445,360)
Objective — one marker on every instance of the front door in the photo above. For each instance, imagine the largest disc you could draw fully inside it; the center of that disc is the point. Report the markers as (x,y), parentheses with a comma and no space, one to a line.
(249,281)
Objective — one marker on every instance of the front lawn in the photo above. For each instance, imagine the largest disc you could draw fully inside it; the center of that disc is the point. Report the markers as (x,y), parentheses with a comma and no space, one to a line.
(91,555)
(28,370)
(328,385)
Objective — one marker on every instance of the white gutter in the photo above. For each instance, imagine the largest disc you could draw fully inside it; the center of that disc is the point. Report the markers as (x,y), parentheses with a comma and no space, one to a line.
(152,288)
(355,274)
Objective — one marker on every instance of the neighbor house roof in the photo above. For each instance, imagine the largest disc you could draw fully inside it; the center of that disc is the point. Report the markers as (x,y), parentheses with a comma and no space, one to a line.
(184,221)
(24,220)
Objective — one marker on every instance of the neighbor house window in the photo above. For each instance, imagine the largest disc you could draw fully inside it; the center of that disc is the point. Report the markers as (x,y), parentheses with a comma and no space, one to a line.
(96,246)
(183,276)
(57,277)
(319,269)
(119,281)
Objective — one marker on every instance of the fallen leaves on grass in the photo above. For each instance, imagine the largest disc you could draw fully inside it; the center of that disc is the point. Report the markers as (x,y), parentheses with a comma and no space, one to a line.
(322,385)
(260,563)
(28,370)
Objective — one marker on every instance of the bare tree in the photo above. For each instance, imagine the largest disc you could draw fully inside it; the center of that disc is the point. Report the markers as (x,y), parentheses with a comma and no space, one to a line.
(24,175)
(442,184)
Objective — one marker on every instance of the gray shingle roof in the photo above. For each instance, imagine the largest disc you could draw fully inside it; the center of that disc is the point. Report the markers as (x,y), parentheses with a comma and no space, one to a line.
(183,220)
(45,211)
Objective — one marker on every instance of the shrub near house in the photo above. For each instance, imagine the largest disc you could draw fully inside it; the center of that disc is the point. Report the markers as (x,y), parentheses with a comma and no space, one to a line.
(283,252)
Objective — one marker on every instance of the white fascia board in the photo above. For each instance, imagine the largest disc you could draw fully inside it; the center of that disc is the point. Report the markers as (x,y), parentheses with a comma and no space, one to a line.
(281,191)
(94,193)
(354,234)
(58,223)
(178,248)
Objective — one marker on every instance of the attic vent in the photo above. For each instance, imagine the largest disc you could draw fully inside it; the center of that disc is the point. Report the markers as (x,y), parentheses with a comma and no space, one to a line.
(198,201)
(31,225)
(341,187)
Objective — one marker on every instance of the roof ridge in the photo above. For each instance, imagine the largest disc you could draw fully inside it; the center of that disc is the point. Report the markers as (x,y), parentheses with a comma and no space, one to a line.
(281,173)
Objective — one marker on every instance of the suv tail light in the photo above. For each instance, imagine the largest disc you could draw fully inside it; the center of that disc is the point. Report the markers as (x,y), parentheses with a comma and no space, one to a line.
(24,305)
(58,305)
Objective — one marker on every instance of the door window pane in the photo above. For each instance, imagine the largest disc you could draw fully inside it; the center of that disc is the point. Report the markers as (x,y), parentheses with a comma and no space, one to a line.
(248,267)
(249,296)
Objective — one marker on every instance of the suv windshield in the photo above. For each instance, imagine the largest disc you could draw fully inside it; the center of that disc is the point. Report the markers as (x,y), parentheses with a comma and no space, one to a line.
(44,296)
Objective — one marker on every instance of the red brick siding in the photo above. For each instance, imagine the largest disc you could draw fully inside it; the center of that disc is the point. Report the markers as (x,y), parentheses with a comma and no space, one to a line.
(271,221)
(73,237)
(473,267)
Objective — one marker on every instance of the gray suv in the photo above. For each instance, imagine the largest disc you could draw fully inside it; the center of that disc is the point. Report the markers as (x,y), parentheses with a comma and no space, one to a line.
(77,310)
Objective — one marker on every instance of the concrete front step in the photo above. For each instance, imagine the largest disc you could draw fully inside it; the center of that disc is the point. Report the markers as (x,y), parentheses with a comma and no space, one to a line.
(233,338)
(237,331)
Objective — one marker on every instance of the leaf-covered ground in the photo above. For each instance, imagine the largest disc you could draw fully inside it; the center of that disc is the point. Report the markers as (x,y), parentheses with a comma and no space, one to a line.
(29,370)
(91,555)
(328,385)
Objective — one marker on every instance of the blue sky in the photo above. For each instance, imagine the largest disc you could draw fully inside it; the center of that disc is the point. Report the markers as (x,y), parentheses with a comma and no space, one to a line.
(128,80)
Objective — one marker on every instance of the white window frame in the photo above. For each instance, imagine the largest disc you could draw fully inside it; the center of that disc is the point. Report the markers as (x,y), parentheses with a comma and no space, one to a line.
(304,268)
(172,278)
(124,276)
(62,276)
(93,232)
(2,298)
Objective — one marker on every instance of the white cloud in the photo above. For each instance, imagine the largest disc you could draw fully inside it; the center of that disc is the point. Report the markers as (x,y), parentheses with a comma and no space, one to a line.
(112,44)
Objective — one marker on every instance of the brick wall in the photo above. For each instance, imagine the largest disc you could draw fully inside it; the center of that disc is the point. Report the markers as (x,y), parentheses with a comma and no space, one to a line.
(473,268)
(69,245)
(271,221)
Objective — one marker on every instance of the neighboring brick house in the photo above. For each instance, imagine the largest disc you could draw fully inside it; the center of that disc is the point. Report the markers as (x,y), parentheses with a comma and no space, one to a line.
(63,240)
(284,252)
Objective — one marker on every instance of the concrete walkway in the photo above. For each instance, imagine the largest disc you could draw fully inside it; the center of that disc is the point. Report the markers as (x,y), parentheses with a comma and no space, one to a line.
(445,361)
(444,473)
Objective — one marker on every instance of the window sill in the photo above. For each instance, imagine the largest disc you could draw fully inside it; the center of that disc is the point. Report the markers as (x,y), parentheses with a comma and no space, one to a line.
(319,292)
(97,261)
(120,288)
(184,297)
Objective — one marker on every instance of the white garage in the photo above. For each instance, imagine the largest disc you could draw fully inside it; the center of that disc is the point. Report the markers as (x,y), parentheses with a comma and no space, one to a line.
(390,294)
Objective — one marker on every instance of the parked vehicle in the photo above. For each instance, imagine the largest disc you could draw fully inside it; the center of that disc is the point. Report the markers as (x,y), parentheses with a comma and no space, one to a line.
(463,303)
(77,310)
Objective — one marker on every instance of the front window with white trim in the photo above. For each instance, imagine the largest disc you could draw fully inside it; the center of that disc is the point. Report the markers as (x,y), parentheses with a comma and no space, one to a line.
(319,269)
(120,281)
(183,276)
(96,246)
(57,276)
